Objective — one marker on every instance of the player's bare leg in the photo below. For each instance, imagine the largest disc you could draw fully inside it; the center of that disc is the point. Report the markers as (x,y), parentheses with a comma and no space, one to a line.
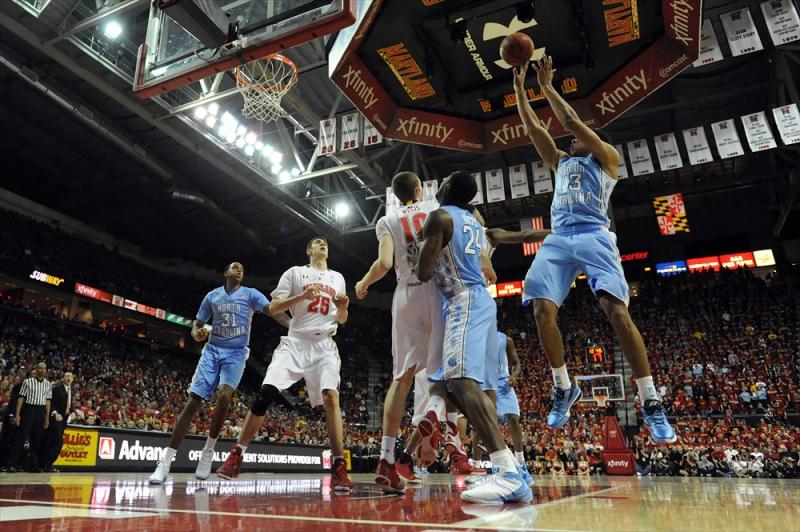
(333,422)
(405,463)
(480,411)
(515,428)
(224,396)
(393,409)
(194,403)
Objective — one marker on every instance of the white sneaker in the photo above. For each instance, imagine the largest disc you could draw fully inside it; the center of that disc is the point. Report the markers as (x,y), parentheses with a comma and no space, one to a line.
(501,488)
(203,470)
(162,471)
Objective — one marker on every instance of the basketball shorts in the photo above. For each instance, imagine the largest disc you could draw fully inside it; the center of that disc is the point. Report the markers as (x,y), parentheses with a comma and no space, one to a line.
(217,366)
(316,361)
(470,336)
(562,257)
(417,328)
(507,403)
(492,380)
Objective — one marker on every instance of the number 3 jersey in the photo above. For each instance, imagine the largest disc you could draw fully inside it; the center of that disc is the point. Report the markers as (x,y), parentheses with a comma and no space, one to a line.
(314,318)
(405,225)
(459,264)
(581,196)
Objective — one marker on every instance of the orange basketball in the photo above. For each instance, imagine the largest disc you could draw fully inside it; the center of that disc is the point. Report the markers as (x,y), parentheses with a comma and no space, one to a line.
(516,49)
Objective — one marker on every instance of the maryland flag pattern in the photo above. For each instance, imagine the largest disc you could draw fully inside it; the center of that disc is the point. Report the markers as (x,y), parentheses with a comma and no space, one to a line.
(671,214)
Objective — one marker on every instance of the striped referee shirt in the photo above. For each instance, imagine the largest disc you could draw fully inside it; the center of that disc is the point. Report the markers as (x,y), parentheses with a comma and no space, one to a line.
(36,392)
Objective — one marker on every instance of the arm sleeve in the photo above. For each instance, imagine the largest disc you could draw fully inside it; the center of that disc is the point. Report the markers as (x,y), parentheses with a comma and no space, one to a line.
(204,313)
(284,288)
(258,301)
(382,228)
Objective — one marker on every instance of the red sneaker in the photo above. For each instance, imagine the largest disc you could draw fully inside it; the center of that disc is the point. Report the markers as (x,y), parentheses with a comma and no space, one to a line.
(340,481)
(452,442)
(429,444)
(459,464)
(406,470)
(230,469)
(386,477)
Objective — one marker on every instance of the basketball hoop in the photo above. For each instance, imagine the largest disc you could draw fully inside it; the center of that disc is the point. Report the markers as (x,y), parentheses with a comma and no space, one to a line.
(263,84)
(601,400)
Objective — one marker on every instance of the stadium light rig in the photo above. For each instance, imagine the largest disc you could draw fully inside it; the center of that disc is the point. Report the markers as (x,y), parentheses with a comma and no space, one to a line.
(112,30)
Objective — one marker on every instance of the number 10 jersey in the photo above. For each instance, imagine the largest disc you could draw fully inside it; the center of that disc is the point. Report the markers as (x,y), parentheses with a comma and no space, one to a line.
(315,318)
(405,225)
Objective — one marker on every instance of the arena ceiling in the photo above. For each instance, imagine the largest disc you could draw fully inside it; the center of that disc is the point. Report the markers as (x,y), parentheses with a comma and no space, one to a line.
(76,139)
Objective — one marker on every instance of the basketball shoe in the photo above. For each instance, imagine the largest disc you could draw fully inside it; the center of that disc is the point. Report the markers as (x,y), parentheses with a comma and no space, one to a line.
(386,477)
(430,429)
(562,401)
(657,423)
(230,469)
(525,474)
(500,488)
(339,479)
(161,473)
(405,468)
(204,465)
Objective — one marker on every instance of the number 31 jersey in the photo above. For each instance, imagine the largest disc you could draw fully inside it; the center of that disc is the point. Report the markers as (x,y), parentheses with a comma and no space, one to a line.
(314,318)
(405,225)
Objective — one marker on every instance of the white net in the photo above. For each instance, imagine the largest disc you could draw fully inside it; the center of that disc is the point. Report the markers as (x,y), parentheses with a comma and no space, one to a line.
(263,84)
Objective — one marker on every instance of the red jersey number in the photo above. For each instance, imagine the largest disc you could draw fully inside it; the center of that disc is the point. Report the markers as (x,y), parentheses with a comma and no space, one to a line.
(320,305)
(417,221)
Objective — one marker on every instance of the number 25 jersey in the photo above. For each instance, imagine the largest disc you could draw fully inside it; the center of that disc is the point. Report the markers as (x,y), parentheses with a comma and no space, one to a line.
(405,225)
(315,318)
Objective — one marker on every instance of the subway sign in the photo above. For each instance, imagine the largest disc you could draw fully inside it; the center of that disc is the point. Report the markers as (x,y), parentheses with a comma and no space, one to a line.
(46,278)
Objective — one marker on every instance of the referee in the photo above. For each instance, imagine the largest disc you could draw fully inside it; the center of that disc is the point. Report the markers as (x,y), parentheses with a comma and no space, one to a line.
(31,419)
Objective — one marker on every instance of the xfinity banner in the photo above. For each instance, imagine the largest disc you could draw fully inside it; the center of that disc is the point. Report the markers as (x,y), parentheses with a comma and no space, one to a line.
(130,450)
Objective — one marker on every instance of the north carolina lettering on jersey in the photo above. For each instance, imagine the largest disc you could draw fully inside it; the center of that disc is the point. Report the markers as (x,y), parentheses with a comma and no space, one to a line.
(571,198)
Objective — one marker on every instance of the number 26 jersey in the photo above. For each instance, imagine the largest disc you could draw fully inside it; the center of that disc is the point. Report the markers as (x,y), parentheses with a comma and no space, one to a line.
(405,225)
(315,318)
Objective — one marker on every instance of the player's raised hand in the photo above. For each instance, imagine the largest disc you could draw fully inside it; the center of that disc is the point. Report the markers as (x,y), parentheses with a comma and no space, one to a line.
(311,292)
(361,290)
(341,301)
(519,76)
(544,71)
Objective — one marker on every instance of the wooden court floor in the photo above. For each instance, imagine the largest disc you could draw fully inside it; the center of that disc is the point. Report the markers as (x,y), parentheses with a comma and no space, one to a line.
(76,501)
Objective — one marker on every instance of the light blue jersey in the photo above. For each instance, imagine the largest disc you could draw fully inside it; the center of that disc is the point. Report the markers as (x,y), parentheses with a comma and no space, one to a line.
(459,264)
(232,315)
(502,358)
(581,196)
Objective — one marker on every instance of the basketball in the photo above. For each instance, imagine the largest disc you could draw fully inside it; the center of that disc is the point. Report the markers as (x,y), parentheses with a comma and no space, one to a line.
(516,49)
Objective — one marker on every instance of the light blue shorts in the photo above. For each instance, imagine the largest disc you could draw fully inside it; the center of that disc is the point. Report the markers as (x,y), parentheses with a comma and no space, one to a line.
(491,382)
(507,403)
(218,366)
(470,336)
(562,257)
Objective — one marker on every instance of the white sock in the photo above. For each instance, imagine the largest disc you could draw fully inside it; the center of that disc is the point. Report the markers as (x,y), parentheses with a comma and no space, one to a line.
(387,448)
(647,390)
(561,377)
(452,417)
(210,443)
(436,404)
(520,458)
(242,447)
(504,461)
(169,454)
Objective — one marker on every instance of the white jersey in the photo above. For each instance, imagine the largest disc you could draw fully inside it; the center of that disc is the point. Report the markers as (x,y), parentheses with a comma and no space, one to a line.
(311,318)
(405,225)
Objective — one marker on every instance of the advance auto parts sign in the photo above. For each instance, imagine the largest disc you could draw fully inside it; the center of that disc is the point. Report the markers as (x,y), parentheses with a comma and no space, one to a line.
(79,449)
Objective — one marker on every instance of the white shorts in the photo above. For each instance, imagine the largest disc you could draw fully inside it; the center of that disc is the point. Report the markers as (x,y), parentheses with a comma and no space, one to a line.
(417,328)
(316,361)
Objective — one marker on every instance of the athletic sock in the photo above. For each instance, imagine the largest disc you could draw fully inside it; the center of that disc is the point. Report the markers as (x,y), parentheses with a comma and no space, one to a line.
(452,423)
(561,377)
(520,458)
(387,448)
(436,404)
(169,453)
(647,390)
(242,447)
(504,461)
(210,443)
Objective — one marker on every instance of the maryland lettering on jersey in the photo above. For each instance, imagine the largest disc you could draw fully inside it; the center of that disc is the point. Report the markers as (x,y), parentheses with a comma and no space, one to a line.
(325,288)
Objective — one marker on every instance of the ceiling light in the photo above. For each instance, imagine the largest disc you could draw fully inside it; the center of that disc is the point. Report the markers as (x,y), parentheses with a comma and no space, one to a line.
(240,143)
(275,168)
(251,138)
(211,120)
(342,209)
(228,118)
(241,131)
(276,157)
(249,150)
(267,150)
(230,138)
(113,29)
(259,145)
(200,113)
(295,172)
(213,108)
(284,176)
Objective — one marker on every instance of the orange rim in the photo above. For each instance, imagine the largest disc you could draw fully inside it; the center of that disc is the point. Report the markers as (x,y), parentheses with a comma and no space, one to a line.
(244,83)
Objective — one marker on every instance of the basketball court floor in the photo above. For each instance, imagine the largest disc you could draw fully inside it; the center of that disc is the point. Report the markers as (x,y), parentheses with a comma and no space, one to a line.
(124,501)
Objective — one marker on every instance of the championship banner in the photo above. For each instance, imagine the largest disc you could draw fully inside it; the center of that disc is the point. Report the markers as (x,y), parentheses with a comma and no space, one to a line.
(669,158)
(429,190)
(371,134)
(671,214)
(622,168)
(782,21)
(639,153)
(495,189)
(787,118)
(392,203)
(327,136)
(697,145)
(478,199)
(709,46)
(350,131)
(79,449)
(518,178)
(756,129)
(741,32)
(530,248)
(727,139)
(542,178)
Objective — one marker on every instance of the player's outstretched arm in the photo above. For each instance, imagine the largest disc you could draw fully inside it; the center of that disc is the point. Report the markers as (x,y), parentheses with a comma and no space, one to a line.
(499,236)
(604,152)
(514,364)
(540,138)
(282,317)
(436,233)
(379,268)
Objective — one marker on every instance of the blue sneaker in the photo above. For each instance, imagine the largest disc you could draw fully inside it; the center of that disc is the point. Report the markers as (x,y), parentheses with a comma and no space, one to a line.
(526,476)
(500,488)
(562,402)
(657,423)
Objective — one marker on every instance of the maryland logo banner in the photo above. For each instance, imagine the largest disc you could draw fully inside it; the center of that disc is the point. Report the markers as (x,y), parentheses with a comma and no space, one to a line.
(671,214)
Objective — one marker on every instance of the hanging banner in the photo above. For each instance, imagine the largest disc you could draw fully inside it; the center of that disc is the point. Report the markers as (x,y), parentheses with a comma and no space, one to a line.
(327,136)
(622,168)
(518,178)
(727,139)
(741,32)
(392,203)
(756,129)
(697,145)
(669,158)
(671,214)
(641,163)
(782,21)
(478,199)
(350,131)
(495,189)
(787,118)
(371,134)
(709,45)
(429,190)
(542,178)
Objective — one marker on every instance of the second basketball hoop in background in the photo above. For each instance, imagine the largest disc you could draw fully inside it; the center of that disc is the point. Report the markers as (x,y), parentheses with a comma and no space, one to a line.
(263,84)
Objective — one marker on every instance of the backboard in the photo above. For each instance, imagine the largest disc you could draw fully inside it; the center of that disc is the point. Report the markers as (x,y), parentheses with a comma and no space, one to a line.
(612,386)
(172,57)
